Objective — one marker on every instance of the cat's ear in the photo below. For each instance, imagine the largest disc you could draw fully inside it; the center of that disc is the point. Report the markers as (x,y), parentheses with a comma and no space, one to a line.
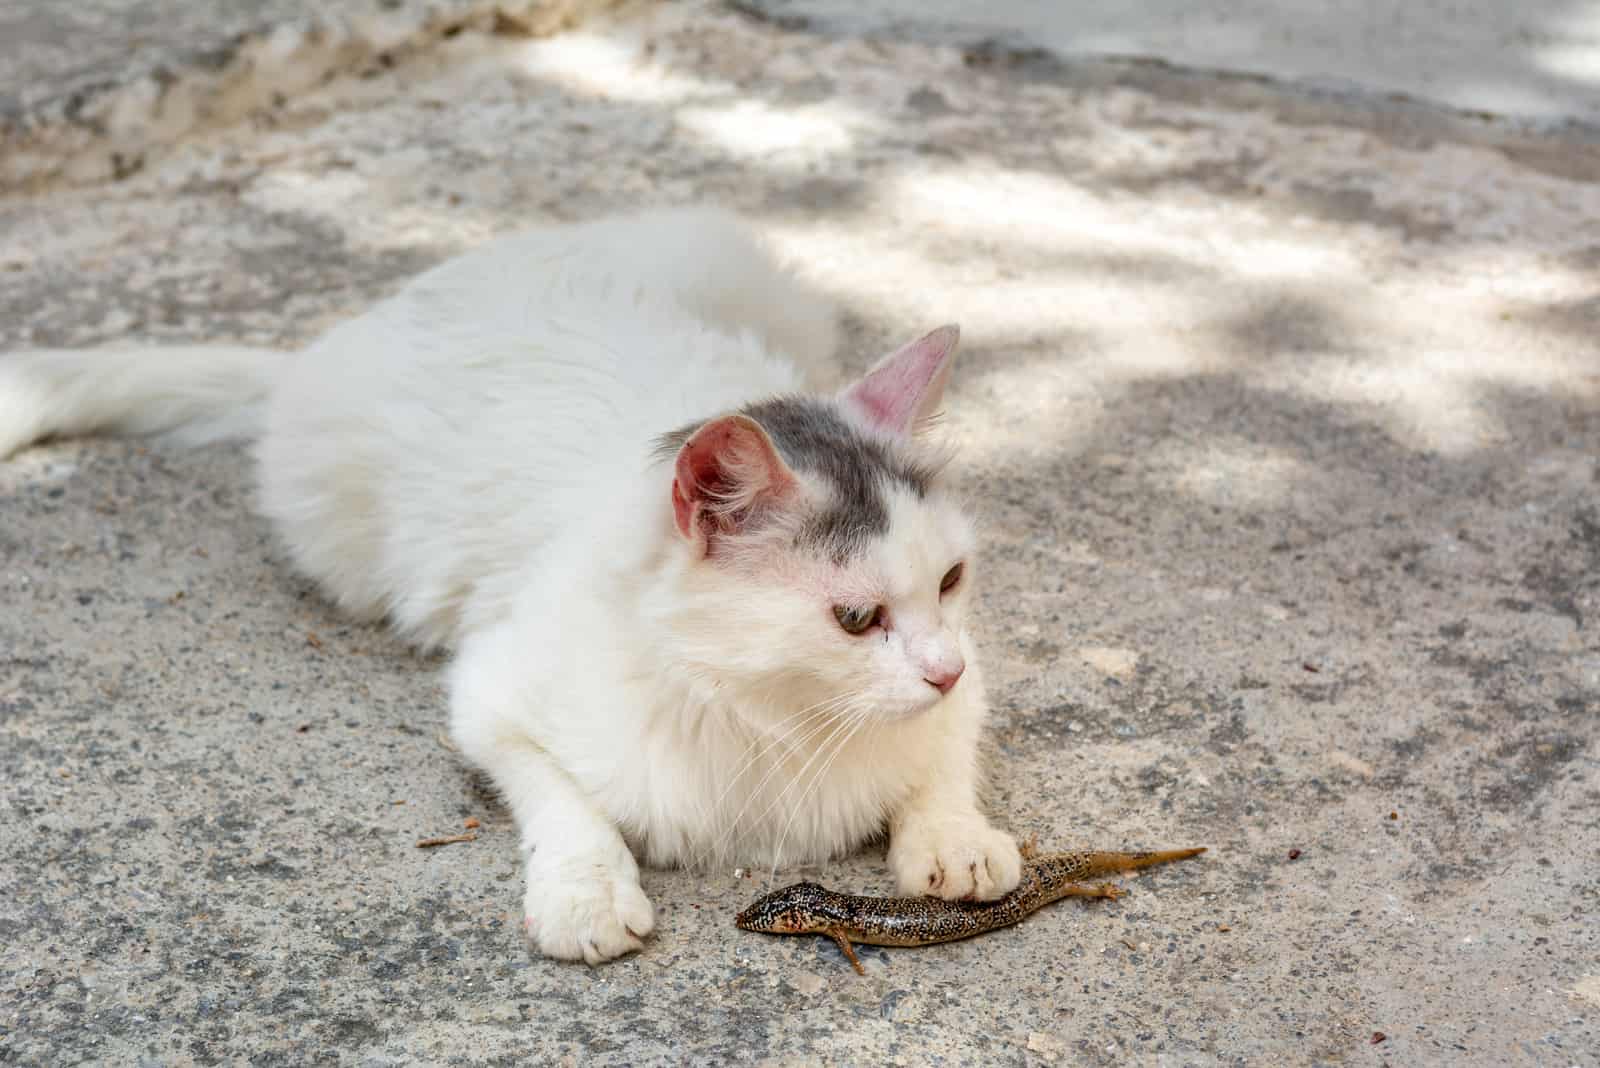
(907,385)
(726,473)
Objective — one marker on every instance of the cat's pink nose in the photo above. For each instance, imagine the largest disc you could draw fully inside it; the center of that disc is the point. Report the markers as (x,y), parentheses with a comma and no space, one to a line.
(945,679)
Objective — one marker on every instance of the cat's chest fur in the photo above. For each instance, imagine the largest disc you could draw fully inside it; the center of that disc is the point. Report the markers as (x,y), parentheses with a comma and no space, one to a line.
(692,772)
(702,793)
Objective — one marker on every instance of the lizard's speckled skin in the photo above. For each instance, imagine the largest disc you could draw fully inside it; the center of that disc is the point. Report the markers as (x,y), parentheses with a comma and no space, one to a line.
(806,908)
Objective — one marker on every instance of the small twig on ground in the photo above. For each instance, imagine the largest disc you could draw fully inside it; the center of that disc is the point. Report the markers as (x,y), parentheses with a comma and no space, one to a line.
(429,843)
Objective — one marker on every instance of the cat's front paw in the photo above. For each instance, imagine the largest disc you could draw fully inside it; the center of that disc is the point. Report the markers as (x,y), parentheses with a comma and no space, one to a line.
(588,908)
(957,859)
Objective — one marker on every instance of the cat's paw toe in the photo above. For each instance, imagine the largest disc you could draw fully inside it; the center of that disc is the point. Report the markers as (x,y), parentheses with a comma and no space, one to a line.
(597,916)
(959,860)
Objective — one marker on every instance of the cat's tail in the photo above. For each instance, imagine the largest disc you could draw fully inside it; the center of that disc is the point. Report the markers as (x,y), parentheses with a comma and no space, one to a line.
(196,393)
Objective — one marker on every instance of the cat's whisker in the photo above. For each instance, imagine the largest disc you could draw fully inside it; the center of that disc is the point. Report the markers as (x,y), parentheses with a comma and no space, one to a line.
(857,719)
(855,715)
(796,721)
(838,724)
(810,716)
(777,765)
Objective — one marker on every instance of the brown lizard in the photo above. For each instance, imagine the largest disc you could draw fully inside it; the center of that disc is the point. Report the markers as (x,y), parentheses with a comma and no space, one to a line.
(806,908)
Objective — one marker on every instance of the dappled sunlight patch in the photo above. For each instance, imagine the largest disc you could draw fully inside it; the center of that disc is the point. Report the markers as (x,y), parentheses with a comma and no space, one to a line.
(755,129)
(1076,297)
(614,62)
(1572,48)
(331,191)
(1426,366)
(1285,256)
(1435,401)
(1499,279)
(1078,258)
(933,280)
(993,204)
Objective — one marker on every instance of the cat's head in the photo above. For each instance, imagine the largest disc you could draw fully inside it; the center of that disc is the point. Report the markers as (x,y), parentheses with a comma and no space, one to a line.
(826,566)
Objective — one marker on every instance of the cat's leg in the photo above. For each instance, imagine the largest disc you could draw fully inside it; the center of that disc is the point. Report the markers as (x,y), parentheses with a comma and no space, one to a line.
(939,843)
(583,899)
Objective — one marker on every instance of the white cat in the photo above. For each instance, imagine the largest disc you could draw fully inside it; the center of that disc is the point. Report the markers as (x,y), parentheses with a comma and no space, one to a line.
(700,615)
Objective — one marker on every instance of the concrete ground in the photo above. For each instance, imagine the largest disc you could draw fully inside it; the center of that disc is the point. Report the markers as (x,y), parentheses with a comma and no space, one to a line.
(1534,59)
(1282,416)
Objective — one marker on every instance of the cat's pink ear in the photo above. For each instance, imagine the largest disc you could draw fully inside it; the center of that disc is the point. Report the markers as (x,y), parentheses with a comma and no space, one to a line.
(726,474)
(907,385)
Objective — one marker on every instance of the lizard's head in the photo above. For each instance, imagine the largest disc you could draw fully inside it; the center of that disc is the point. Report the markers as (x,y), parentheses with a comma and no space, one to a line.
(803,908)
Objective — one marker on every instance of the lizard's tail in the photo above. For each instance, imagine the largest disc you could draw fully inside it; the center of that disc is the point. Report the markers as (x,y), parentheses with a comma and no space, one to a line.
(1061,875)
(1111,863)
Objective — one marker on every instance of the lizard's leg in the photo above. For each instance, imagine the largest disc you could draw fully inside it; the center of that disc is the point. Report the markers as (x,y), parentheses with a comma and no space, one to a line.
(848,950)
(1109,891)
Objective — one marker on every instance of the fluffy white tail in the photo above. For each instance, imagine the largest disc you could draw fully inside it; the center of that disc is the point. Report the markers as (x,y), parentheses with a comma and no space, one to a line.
(198,393)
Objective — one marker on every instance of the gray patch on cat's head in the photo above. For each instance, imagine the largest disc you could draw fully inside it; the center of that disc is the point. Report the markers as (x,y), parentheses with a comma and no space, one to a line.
(815,439)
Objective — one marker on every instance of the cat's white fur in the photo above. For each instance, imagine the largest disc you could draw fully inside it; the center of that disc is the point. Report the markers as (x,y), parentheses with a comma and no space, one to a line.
(473,460)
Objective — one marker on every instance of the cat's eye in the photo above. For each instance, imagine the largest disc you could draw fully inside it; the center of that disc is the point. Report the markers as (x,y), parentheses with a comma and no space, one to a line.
(950,579)
(854,618)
